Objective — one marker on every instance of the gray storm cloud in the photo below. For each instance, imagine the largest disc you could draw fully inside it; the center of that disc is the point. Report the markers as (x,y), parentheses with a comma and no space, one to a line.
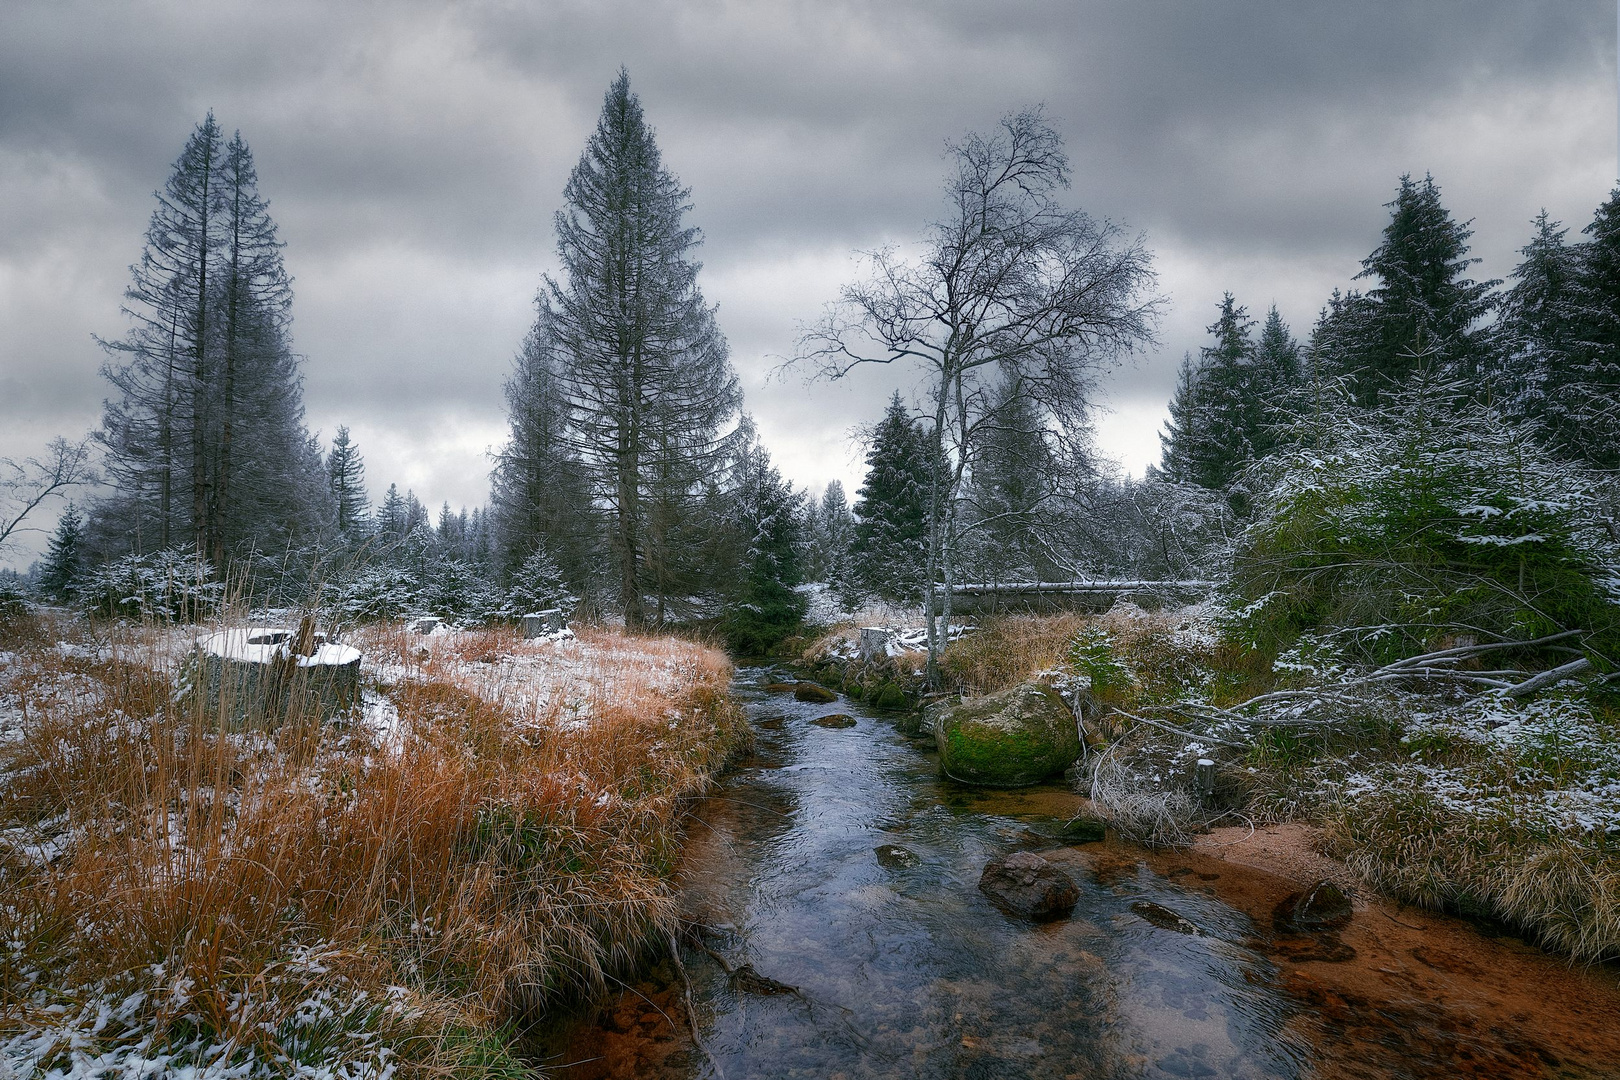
(414,155)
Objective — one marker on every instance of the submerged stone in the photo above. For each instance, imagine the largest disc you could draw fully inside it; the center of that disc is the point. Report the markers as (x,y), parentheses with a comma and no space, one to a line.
(1163,917)
(835,720)
(809,691)
(1025,884)
(1012,739)
(895,857)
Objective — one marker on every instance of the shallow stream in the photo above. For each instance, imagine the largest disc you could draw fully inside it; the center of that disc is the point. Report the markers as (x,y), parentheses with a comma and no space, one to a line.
(837,874)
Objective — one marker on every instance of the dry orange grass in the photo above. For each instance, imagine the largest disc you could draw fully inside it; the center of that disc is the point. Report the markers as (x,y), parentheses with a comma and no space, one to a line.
(1008,649)
(510,849)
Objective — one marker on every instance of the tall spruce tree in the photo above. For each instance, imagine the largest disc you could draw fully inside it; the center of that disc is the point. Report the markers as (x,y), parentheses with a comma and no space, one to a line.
(1422,310)
(646,378)
(204,437)
(1584,396)
(346,479)
(889,548)
(64,557)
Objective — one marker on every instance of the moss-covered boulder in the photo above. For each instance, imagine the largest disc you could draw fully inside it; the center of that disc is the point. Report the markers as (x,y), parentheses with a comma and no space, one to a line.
(1011,739)
(890,696)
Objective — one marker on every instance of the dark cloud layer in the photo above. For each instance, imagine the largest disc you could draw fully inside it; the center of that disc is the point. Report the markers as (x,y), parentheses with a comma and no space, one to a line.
(415,152)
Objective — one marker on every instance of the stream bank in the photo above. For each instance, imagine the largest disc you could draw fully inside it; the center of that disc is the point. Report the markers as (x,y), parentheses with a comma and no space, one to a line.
(838,931)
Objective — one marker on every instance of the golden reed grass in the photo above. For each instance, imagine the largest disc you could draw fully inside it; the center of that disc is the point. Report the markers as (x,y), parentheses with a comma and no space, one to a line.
(492,861)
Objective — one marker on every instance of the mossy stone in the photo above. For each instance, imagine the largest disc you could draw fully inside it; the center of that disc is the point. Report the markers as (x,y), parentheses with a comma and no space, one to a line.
(1012,739)
(889,696)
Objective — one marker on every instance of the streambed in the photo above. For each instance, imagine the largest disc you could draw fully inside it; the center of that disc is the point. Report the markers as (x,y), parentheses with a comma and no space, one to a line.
(836,874)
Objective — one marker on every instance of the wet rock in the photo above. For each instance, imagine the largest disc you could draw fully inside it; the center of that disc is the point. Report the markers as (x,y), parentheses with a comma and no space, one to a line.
(835,720)
(748,981)
(1025,884)
(773,723)
(1164,918)
(781,687)
(895,857)
(1323,906)
(817,695)
(1012,739)
(1084,830)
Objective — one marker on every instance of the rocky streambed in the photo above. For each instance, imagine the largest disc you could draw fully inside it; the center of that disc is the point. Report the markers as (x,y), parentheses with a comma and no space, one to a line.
(855,913)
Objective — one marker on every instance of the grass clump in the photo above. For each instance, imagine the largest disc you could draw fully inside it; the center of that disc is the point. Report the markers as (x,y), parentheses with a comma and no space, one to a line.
(490,839)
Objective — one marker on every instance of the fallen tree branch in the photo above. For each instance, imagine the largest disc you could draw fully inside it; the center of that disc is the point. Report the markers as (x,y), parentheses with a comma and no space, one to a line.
(1547,678)
(691,1010)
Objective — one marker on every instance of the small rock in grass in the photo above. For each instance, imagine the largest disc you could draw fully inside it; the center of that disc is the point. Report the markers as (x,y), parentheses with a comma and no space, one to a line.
(835,720)
(1323,906)
(1025,884)
(1163,917)
(809,691)
(895,857)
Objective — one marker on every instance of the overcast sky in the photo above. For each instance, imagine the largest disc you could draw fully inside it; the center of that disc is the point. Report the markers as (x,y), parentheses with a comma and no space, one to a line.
(414,154)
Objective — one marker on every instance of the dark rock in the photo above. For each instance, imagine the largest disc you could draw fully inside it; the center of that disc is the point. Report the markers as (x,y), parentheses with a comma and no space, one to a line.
(781,687)
(773,723)
(817,695)
(1323,906)
(835,720)
(1025,884)
(1163,917)
(895,857)
(1084,830)
(1012,739)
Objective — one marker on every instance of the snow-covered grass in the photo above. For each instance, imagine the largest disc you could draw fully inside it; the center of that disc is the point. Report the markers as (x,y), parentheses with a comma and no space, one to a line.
(489,834)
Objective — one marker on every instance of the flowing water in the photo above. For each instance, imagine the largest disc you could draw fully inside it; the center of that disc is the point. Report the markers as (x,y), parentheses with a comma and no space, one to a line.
(836,874)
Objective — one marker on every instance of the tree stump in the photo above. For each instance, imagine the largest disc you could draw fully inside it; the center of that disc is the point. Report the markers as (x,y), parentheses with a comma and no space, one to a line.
(267,675)
(542,623)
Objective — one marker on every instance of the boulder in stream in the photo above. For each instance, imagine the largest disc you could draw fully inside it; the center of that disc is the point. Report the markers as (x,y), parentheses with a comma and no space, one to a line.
(816,695)
(835,720)
(1012,739)
(1025,884)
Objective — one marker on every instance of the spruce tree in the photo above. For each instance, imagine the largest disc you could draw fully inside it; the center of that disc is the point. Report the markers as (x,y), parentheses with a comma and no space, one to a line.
(891,509)
(65,557)
(1182,429)
(204,436)
(346,479)
(763,605)
(644,368)
(1423,309)
(1584,397)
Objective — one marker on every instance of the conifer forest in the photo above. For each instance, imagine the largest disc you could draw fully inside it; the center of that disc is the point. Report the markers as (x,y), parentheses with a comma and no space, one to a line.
(855,705)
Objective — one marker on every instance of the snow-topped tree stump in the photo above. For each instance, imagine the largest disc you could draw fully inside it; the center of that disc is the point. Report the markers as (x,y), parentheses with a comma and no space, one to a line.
(543,623)
(268,674)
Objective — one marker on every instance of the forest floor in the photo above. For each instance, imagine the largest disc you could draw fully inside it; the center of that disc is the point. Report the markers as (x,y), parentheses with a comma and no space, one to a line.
(1477,803)
(396,892)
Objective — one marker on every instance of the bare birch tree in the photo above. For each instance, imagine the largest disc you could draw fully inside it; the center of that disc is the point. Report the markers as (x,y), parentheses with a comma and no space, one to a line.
(1011,290)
